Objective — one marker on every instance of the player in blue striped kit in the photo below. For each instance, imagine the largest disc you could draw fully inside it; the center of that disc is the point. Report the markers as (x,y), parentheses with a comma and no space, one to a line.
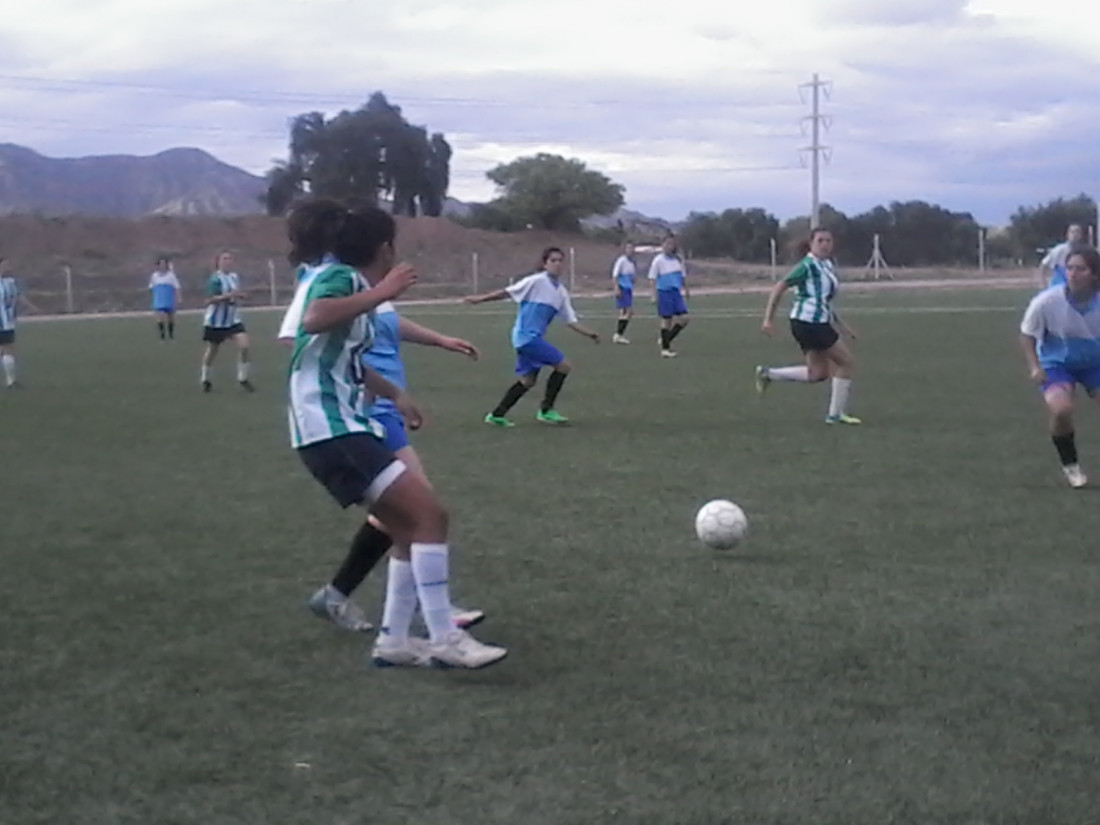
(667,273)
(541,298)
(1060,335)
(164,288)
(623,272)
(222,323)
(1054,261)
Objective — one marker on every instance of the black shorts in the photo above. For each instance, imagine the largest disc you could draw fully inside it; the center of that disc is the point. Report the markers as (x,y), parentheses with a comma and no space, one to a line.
(813,337)
(354,468)
(217,335)
(7,336)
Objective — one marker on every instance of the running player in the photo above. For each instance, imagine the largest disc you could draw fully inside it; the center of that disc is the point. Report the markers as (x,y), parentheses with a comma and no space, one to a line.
(10,298)
(222,323)
(342,447)
(814,325)
(1060,334)
(622,276)
(541,298)
(1054,261)
(165,289)
(667,273)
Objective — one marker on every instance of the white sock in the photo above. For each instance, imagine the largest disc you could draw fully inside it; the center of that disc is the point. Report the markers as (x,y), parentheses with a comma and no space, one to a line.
(205,373)
(400,601)
(9,368)
(838,402)
(801,374)
(242,370)
(430,568)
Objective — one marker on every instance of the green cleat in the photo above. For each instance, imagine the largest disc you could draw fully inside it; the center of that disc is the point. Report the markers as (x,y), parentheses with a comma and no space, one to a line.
(551,417)
(498,421)
(763,380)
(842,419)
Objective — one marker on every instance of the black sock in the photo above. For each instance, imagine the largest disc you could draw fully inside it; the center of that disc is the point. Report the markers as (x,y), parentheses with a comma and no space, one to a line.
(666,337)
(1066,447)
(367,549)
(514,394)
(676,330)
(160,327)
(171,329)
(553,387)
(622,326)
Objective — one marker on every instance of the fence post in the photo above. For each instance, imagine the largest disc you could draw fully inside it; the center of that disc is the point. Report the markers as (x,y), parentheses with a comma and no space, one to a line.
(473,267)
(572,268)
(69,288)
(271,282)
(775,257)
(981,249)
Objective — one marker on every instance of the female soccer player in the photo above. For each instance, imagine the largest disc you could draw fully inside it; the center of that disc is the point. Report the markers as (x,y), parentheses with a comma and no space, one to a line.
(342,446)
(222,323)
(622,276)
(666,270)
(814,325)
(1054,261)
(1060,334)
(10,298)
(541,297)
(165,289)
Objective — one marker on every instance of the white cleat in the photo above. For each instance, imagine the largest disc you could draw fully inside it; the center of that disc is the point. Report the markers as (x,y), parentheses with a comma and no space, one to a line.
(667,353)
(619,339)
(413,652)
(1074,476)
(461,650)
(328,604)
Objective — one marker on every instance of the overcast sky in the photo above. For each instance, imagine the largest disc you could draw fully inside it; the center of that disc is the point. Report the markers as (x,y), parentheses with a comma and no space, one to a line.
(692,105)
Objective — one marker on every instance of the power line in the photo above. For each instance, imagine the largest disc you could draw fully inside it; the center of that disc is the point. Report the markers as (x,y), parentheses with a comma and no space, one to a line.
(816,150)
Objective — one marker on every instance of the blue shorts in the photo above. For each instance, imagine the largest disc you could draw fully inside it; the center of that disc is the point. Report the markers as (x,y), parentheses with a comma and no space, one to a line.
(1088,377)
(532,357)
(625,298)
(670,303)
(164,308)
(396,437)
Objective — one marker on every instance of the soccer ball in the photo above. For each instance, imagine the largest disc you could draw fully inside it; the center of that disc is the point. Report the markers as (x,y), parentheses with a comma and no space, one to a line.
(721,524)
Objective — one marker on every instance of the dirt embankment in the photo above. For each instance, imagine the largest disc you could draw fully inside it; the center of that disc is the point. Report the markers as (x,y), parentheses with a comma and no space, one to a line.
(108,261)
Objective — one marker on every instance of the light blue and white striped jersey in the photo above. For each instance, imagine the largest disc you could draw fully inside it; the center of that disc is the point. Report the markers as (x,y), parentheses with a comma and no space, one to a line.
(1068,334)
(223,314)
(541,297)
(163,285)
(815,286)
(9,303)
(623,272)
(667,271)
(384,355)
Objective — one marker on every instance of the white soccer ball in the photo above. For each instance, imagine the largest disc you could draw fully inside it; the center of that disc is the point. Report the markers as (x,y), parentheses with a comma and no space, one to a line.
(721,524)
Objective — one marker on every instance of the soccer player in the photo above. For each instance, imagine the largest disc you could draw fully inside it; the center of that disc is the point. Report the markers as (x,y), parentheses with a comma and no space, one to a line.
(1060,334)
(222,323)
(10,298)
(343,448)
(667,273)
(1055,259)
(541,298)
(165,289)
(814,325)
(622,276)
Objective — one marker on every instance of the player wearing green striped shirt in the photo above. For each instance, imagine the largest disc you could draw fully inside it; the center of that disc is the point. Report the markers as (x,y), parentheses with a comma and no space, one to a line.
(221,322)
(331,393)
(10,298)
(814,325)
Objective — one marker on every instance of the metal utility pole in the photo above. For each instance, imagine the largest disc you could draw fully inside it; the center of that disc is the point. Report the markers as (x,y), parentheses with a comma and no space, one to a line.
(816,150)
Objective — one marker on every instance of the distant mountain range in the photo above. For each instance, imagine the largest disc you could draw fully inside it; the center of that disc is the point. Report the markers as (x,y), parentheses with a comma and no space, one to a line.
(173,182)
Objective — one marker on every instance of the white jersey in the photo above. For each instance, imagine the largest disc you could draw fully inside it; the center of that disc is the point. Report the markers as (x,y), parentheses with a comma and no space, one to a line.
(327,397)
(1057,255)
(223,314)
(1068,336)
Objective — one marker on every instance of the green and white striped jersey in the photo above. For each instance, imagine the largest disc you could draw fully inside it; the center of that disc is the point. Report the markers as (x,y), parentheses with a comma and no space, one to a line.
(815,286)
(9,303)
(223,314)
(327,397)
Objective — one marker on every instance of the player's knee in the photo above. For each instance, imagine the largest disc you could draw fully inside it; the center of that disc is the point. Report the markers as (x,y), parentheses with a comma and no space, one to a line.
(817,373)
(564,367)
(683,320)
(432,520)
(528,380)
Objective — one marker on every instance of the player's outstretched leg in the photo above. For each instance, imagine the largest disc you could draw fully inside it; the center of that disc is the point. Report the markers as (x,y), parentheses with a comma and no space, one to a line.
(498,416)
(547,414)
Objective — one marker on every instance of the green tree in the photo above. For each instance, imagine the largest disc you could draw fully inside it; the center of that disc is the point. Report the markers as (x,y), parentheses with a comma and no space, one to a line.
(362,155)
(551,192)
(1038,227)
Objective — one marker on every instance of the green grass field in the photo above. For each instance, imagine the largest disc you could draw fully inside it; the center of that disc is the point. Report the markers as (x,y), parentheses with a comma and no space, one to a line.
(909,635)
